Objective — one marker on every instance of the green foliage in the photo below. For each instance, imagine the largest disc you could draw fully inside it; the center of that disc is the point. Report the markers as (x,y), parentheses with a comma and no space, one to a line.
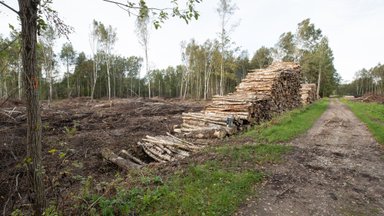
(288,125)
(372,114)
(311,49)
(50,211)
(71,131)
(17,212)
(286,47)
(262,58)
(320,60)
(160,15)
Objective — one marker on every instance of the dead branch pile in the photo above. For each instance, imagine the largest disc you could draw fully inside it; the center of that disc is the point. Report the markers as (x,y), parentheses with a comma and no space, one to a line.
(308,93)
(369,98)
(261,94)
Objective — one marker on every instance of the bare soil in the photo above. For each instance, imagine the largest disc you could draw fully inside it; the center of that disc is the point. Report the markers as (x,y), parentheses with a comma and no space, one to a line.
(336,168)
(74,132)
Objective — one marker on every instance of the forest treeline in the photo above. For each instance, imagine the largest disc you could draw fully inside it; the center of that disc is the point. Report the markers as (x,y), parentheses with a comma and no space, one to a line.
(366,81)
(213,67)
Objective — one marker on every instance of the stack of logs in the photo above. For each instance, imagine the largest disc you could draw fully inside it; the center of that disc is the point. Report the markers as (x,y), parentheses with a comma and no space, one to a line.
(261,94)
(308,93)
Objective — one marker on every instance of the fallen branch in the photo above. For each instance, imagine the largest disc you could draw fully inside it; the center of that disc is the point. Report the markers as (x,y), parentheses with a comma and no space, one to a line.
(5,114)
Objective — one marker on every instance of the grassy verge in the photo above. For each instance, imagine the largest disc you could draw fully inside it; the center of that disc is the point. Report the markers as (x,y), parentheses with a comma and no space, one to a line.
(289,125)
(216,185)
(372,114)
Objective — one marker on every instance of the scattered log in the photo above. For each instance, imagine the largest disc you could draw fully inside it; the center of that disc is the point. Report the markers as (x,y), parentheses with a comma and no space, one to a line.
(119,161)
(131,157)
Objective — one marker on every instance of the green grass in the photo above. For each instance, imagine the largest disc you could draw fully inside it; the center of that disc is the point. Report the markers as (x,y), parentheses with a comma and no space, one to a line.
(289,125)
(214,187)
(217,185)
(372,114)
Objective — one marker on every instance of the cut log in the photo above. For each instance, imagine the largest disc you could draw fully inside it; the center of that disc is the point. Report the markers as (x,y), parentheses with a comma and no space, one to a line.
(308,93)
(131,157)
(119,161)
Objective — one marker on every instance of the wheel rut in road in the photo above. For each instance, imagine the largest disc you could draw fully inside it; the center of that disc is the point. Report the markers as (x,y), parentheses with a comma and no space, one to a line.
(336,168)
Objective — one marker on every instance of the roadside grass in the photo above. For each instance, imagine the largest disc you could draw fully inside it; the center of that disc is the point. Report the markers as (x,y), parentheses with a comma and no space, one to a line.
(372,114)
(214,186)
(288,125)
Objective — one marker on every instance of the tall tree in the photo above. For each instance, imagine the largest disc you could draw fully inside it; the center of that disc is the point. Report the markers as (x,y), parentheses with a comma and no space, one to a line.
(68,56)
(225,10)
(47,39)
(83,74)
(29,18)
(142,30)
(95,46)
(307,36)
(133,68)
(262,58)
(108,39)
(286,47)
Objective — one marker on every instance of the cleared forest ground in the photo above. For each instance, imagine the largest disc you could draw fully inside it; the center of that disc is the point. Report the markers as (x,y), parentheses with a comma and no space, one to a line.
(74,132)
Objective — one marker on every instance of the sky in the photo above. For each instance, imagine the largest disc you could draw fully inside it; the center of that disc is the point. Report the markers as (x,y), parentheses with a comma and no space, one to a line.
(354,28)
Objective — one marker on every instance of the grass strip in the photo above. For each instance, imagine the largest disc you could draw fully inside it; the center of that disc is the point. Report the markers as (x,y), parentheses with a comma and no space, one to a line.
(288,125)
(372,114)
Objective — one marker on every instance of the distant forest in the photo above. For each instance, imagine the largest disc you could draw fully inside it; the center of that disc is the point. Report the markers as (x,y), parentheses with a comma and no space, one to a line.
(213,67)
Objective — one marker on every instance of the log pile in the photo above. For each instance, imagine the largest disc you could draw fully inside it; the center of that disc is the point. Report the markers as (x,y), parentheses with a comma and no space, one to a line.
(308,93)
(261,94)
(167,148)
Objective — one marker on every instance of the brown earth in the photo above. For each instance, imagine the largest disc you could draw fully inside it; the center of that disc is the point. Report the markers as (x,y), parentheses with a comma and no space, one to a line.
(74,132)
(336,168)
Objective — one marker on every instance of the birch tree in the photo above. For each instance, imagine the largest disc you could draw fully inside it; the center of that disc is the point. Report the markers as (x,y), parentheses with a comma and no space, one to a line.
(107,36)
(142,31)
(94,40)
(225,10)
(47,39)
(68,56)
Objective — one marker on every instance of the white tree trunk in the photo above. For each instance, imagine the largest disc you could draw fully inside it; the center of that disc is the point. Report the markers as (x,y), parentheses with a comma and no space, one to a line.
(318,83)
(94,79)
(109,80)
(19,78)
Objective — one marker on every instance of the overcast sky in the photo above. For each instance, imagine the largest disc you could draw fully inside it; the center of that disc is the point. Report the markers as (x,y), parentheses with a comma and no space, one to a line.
(354,28)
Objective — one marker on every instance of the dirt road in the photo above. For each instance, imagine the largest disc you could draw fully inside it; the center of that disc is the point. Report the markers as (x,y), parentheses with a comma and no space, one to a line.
(336,168)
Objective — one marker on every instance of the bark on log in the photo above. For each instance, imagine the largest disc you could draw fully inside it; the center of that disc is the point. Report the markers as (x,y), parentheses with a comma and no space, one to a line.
(119,161)
(131,157)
